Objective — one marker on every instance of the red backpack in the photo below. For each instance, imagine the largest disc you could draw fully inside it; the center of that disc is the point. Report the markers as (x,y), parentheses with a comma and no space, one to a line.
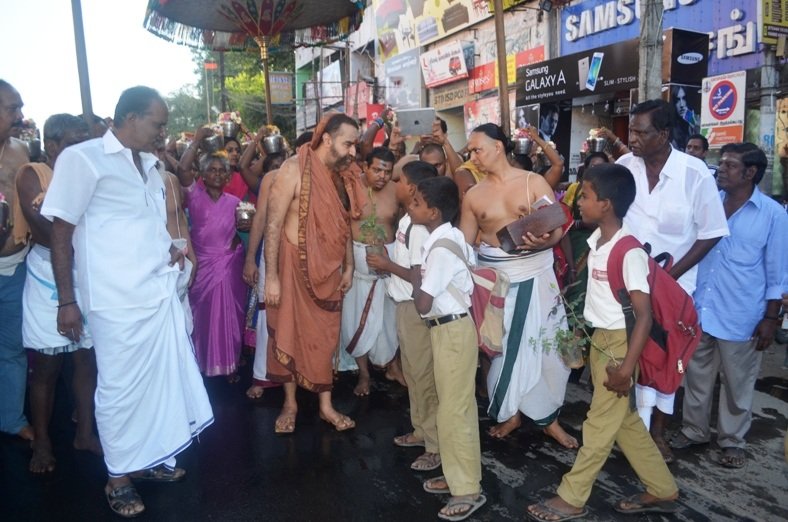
(675,332)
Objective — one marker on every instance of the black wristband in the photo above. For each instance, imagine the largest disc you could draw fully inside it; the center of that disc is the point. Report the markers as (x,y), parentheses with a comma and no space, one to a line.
(66,304)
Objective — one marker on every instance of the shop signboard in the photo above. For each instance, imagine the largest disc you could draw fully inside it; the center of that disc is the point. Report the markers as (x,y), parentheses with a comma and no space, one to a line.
(409,24)
(732,25)
(604,70)
(485,77)
(281,88)
(444,64)
(449,96)
(331,85)
(478,112)
(403,81)
(775,20)
(357,96)
(722,108)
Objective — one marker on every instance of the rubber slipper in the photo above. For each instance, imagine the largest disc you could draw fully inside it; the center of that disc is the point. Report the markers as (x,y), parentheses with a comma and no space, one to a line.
(733,458)
(544,508)
(680,441)
(473,504)
(436,491)
(406,441)
(660,506)
(426,462)
(122,497)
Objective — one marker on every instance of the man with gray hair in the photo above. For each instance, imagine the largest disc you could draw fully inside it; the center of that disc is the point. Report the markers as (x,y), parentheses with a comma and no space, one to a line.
(107,199)
(39,303)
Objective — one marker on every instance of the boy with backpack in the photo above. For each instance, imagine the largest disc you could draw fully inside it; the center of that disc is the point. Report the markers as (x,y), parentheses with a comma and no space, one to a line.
(608,191)
(412,332)
(441,292)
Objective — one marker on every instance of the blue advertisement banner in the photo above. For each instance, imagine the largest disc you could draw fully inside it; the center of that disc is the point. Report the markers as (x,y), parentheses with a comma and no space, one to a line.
(732,26)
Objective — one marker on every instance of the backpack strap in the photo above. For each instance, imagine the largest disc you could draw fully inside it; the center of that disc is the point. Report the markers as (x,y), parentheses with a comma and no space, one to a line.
(615,278)
(407,235)
(455,249)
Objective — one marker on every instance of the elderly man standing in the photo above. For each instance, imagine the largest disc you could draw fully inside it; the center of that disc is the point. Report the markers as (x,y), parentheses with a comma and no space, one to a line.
(740,283)
(309,264)
(107,199)
(13,363)
(676,210)
(39,326)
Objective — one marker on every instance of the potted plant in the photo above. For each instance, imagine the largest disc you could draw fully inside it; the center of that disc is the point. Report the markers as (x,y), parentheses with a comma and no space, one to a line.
(373,234)
(571,344)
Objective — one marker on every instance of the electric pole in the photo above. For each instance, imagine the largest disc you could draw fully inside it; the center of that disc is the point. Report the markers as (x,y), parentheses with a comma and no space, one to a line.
(650,65)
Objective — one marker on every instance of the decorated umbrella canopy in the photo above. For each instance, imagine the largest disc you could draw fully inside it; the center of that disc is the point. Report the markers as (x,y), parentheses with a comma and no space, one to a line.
(221,25)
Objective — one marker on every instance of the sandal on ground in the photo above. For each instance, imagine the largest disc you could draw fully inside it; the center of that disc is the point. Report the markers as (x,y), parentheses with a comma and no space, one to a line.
(636,505)
(160,473)
(342,422)
(680,441)
(408,440)
(426,462)
(732,458)
(455,502)
(429,486)
(124,497)
(553,514)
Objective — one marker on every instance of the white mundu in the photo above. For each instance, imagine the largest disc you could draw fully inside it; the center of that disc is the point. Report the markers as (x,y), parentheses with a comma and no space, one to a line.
(378,339)
(150,398)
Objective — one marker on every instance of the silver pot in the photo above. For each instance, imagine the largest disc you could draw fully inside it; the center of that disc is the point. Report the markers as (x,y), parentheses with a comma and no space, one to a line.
(181,146)
(596,144)
(230,129)
(212,143)
(243,214)
(523,145)
(273,144)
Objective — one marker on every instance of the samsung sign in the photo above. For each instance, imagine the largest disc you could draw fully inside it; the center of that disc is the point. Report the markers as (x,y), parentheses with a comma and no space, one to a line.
(732,26)
(689,58)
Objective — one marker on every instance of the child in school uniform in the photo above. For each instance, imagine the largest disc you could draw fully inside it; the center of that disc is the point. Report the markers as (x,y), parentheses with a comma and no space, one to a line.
(412,331)
(608,191)
(442,295)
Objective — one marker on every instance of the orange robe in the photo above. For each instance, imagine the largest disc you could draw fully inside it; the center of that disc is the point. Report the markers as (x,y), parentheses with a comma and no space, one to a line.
(304,328)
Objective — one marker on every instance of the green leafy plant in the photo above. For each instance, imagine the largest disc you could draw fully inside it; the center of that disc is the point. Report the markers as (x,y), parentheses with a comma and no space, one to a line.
(372,232)
(573,343)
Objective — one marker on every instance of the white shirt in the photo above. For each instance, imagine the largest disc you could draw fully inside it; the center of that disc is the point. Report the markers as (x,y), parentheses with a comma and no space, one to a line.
(407,253)
(601,308)
(441,267)
(683,208)
(120,240)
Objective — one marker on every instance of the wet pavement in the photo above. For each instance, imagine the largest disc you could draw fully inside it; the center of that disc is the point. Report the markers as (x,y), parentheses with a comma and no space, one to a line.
(240,471)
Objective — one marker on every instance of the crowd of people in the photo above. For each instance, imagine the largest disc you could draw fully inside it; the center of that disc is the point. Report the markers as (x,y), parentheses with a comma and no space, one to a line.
(151,267)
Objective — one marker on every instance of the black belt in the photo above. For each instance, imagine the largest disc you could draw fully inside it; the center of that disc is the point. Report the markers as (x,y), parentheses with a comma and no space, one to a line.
(437,321)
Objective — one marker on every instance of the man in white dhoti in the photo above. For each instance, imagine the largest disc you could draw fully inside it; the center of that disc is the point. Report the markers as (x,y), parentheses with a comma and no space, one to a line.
(107,199)
(46,347)
(677,209)
(529,376)
(369,330)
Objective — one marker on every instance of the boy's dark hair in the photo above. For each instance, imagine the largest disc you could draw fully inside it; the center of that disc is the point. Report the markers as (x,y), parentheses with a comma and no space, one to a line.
(663,114)
(613,182)
(444,127)
(703,141)
(381,153)
(417,171)
(441,193)
(269,161)
(751,156)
